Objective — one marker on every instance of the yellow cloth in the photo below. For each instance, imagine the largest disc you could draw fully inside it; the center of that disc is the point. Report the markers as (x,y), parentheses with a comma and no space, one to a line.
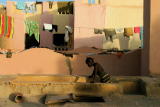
(128,31)
(0,24)
(12,29)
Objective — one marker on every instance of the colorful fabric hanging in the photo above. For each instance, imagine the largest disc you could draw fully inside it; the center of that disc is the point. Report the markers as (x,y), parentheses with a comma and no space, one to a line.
(32,28)
(128,31)
(136,29)
(8,31)
(6,26)
(12,28)
(2,26)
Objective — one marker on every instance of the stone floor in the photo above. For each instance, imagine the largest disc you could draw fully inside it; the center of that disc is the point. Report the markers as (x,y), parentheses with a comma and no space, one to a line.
(118,101)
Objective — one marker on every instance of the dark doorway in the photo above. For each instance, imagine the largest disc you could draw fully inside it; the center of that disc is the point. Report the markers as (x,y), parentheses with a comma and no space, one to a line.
(30,41)
(58,39)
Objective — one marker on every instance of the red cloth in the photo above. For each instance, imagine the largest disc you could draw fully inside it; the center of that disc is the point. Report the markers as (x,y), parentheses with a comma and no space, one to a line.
(2,25)
(137,29)
(9,26)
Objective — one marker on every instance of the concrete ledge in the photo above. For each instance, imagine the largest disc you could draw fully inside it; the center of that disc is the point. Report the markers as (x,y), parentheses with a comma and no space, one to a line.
(40,85)
(151,86)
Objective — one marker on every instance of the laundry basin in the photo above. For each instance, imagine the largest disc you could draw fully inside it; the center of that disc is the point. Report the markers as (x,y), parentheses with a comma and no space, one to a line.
(33,85)
(53,79)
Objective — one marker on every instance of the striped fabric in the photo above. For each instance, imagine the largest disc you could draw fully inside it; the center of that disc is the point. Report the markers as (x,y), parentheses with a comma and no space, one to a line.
(6,26)
(2,27)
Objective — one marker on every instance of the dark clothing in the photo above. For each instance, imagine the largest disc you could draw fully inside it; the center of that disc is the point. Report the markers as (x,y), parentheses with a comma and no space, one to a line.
(99,71)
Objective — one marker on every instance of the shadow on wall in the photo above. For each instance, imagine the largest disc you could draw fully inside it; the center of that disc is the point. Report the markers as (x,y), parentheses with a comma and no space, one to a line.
(127,65)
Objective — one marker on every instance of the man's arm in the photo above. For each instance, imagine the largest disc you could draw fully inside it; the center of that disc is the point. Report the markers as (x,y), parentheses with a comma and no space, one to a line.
(94,73)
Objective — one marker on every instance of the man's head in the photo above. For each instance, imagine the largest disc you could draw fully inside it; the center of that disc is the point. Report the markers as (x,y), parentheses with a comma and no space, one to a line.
(89,61)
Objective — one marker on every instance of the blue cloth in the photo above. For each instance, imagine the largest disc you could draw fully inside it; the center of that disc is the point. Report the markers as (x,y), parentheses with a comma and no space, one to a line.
(141,36)
(20,5)
(93,1)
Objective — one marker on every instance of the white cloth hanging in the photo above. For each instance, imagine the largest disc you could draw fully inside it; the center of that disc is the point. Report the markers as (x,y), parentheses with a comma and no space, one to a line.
(119,30)
(68,30)
(48,26)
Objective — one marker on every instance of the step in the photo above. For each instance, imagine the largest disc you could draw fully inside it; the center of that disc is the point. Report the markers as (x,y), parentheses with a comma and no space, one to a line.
(30,85)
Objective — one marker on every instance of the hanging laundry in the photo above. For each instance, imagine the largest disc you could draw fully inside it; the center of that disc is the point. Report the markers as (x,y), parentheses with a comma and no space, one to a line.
(141,33)
(20,5)
(2,26)
(50,27)
(55,27)
(137,30)
(119,30)
(6,26)
(68,32)
(128,31)
(12,28)
(124,41)
(9,27)
(32,28)
(109,33)
(91,1)
(98,31)
(30,7)
(134,42)
(47,26)
(141,36)
(50,4)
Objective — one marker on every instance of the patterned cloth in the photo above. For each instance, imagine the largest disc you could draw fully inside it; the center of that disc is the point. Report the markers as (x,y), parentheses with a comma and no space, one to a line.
(6,26)
(32,28)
